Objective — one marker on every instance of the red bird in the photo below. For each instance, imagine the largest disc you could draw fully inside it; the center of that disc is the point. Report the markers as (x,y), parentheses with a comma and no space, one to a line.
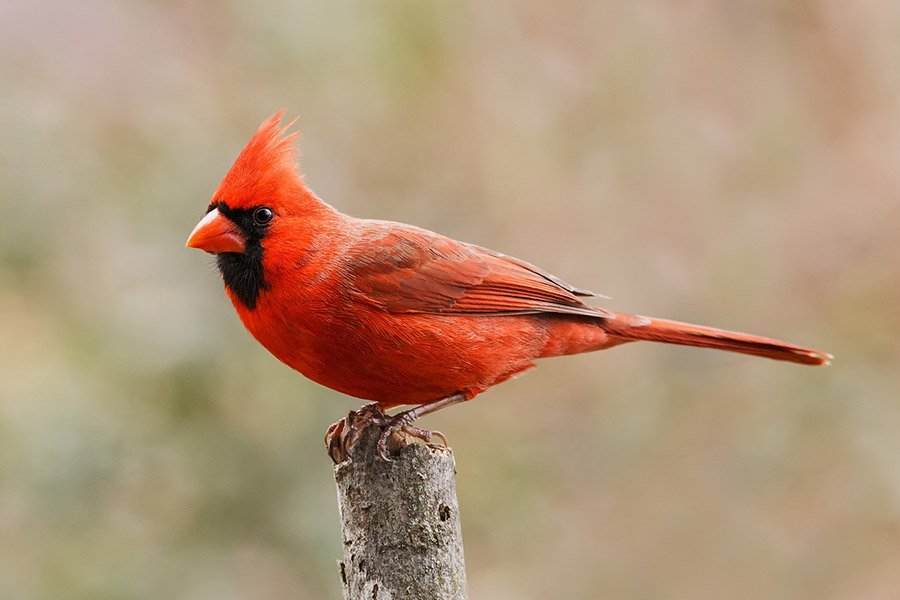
(397,314)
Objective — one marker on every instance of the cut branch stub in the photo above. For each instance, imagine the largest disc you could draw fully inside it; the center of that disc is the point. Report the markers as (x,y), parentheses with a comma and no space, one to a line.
(399,521)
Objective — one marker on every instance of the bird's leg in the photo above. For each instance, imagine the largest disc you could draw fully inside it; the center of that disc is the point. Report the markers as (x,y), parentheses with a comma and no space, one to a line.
(403,422)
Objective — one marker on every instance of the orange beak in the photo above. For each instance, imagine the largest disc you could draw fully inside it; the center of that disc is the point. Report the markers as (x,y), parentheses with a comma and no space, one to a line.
(216,234)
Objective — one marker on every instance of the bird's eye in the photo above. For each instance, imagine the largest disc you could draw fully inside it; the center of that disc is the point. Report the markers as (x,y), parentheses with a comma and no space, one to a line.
(263,215)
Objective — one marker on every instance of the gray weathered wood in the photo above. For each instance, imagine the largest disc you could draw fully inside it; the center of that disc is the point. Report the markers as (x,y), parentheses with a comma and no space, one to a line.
(399,522)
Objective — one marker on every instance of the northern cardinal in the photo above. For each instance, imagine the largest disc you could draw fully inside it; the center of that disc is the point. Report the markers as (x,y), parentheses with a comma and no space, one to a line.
(398,314)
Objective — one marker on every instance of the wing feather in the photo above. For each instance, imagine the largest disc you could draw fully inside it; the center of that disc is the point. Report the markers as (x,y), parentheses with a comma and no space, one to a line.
(404,269)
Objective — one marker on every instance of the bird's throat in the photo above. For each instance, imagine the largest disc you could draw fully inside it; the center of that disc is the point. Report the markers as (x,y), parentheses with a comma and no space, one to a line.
(243,274)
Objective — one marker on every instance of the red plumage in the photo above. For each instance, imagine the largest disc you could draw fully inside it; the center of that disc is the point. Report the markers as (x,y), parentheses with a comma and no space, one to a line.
(397,314)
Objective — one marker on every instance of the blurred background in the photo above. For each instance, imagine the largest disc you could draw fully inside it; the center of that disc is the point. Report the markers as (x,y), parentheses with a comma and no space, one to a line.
(728,162)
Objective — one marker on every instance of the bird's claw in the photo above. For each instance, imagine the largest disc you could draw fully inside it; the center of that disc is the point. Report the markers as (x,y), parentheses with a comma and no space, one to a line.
(340,437)
(343,435)
(335,440)
(423,434)
(402,423)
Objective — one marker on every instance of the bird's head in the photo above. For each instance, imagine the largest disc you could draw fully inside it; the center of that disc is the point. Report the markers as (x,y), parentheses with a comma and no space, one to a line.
(260,200)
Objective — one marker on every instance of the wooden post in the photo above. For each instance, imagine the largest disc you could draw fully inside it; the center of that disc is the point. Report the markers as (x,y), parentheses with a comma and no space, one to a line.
(399,521)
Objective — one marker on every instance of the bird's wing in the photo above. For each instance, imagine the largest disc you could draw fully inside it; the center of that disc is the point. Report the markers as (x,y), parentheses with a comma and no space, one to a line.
(403,269)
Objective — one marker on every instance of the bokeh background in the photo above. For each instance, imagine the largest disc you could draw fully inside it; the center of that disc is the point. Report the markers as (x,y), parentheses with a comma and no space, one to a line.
(731,162)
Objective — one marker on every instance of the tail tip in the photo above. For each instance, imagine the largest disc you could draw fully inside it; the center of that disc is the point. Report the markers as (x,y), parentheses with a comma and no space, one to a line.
(816,358)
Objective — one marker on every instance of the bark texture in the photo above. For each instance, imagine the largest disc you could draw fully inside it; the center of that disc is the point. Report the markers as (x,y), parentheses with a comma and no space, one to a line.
(399,522)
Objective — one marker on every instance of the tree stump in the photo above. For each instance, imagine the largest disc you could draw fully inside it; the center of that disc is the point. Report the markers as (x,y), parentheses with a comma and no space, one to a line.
(399,521)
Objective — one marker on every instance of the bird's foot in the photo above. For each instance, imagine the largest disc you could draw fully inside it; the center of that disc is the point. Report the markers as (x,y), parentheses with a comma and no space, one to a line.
(402,423)
(343,435)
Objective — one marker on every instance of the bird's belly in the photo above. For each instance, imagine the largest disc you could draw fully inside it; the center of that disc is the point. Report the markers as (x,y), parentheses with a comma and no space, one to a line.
(397,359)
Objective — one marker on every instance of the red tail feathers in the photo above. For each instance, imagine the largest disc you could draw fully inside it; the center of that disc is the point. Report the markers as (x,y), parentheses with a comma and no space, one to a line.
(634,327)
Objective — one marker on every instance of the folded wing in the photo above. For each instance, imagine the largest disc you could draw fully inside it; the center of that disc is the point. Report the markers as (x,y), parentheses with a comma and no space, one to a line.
(404,269)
